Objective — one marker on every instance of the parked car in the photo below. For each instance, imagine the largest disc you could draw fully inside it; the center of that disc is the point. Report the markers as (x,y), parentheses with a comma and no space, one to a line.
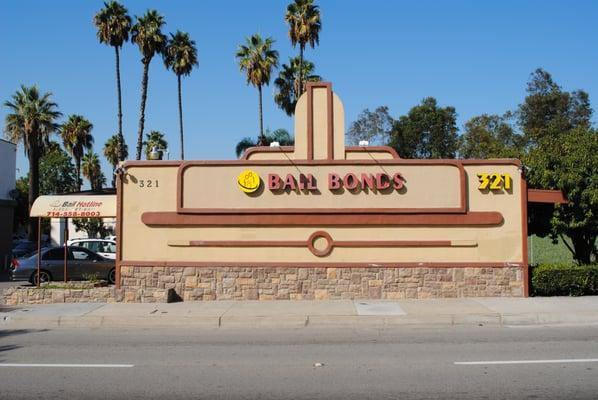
(105,248)
(82,264)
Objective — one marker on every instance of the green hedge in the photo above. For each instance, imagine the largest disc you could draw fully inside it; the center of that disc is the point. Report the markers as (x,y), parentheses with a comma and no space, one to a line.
(564,280)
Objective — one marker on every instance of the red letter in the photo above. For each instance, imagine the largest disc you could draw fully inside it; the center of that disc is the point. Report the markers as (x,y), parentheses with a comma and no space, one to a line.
(367,180)
(273,182)
(334,181)
(350,181)
(398,181)
(311,182)
(289,182)
(382,181)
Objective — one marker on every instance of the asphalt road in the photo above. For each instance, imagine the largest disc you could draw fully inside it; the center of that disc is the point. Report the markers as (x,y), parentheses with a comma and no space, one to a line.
(397,363)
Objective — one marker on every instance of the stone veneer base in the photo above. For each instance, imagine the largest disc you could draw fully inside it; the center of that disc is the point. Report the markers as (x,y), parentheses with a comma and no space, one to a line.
(156,284)
(148,284)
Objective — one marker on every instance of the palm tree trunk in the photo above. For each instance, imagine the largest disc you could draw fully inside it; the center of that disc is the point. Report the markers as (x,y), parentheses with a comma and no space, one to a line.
(261,139)
(33,185)
(121,141)
(181,118)
(142,111)
(300,71)
(78,168)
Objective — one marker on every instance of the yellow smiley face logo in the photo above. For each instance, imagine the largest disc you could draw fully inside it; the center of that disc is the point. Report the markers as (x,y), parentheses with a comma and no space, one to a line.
(248,181)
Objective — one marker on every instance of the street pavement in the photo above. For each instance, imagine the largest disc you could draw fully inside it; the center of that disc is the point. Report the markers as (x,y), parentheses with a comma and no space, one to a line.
(298,314)
(361,362)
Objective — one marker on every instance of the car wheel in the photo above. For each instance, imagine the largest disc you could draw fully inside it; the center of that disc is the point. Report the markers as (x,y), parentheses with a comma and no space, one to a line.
(112,276)
(44,276)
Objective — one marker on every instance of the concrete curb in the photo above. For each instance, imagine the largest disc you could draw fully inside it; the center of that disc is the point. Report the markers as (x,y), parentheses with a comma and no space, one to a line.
(296,321)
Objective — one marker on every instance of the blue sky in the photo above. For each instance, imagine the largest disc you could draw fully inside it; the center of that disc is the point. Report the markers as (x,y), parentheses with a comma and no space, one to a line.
(473,55)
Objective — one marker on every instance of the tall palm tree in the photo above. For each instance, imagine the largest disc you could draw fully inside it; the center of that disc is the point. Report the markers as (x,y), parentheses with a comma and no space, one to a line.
(287,83)
(257,58)
(114,24)
(303,17)
(93,171)
(147,35)
(154,139)
(111,152)
(180,56)
(32,118)
(76,137)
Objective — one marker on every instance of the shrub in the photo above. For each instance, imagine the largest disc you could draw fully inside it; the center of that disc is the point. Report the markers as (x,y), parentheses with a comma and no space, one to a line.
(564,280)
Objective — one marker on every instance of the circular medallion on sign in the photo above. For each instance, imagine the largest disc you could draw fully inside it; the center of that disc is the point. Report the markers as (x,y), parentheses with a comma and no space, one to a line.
(248,181)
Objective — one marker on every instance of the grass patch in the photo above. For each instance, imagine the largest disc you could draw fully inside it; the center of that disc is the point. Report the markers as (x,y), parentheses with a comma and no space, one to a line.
(543,251)
(72,285)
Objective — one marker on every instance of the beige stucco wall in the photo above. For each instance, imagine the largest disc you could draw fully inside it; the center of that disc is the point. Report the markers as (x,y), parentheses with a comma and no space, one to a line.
(434,186)
(500,244)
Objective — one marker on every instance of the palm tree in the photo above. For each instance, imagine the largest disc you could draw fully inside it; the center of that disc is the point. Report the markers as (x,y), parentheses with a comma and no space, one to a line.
(281,136)
(180,56)
(257,59)
(147,35)
(76,137)
(111,152)
(31,120)
(154,139)
(287,83)
(93,171)
(304,22)
(114,24)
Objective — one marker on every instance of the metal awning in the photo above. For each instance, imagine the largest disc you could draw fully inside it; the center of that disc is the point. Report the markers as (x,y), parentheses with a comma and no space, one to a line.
(74,206)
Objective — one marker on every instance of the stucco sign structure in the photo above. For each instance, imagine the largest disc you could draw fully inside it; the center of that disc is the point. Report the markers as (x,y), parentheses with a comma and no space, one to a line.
(302,221)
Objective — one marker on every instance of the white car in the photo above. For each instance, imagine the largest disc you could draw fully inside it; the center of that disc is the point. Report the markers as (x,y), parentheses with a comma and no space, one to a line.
(103,247)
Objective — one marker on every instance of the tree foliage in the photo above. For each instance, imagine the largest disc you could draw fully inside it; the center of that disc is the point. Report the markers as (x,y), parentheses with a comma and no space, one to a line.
(375,127)
(281,136)
(427,131)
(562,154)
(57,174)
(77,137)
(569,162)
(550,111)
(147,35)
(93,171)
(180,55)
(154,139)
(94,227)
(257,59)
(491,136)
(287,83)
(114,25)
(305,23)
(31,119)
(111,152)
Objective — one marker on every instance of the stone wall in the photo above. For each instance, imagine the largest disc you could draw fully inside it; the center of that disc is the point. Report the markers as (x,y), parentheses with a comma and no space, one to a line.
(32,295)
(152,284)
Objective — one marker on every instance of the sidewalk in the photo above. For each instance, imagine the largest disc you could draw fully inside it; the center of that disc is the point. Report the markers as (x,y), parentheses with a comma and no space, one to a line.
(297,314)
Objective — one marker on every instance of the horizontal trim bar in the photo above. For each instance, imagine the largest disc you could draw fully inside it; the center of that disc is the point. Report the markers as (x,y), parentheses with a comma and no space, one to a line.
(489,218)
(323,264)
(546,196)
(336,243)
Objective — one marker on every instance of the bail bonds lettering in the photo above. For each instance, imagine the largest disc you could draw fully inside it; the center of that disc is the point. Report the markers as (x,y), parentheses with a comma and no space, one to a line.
(337,182)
